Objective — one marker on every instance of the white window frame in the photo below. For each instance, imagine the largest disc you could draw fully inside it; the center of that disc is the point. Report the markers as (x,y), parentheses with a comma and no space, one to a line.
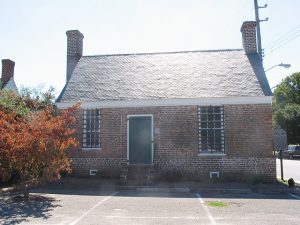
(85,131)
(210,152)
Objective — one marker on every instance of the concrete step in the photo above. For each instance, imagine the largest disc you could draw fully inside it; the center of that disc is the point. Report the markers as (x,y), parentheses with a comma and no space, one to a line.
(137,175)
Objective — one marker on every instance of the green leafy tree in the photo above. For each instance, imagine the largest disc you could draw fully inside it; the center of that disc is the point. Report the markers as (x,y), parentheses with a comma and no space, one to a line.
(286,107)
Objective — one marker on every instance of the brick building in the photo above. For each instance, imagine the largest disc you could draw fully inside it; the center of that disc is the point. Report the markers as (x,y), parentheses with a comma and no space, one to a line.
(199,113)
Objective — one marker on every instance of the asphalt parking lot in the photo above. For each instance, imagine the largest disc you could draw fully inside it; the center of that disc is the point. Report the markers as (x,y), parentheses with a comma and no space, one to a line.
(150,208)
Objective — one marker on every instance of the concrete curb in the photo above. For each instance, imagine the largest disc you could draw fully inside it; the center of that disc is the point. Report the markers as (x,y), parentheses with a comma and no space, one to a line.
(155,189)
(6,190)
(164,190)
(103,185)
(210,190)
(223,191)
(16,188)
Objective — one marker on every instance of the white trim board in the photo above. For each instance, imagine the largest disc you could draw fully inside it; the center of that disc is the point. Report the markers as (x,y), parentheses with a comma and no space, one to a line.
(170,102)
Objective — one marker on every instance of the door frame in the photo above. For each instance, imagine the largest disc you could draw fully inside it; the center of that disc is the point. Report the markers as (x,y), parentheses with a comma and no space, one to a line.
(140,115)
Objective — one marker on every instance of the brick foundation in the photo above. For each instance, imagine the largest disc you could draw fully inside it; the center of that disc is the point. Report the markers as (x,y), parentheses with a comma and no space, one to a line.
(107,167)
(230,169)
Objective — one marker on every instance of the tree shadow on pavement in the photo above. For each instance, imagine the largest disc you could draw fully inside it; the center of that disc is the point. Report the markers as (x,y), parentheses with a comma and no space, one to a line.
(15,209)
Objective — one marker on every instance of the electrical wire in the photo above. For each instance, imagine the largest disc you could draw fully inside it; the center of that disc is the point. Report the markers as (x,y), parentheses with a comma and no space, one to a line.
(290,38)
(283,41)
(283,36)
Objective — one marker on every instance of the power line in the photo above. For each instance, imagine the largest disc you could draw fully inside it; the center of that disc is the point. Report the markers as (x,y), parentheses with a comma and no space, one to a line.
(283,36)
(284,41)
(271,50)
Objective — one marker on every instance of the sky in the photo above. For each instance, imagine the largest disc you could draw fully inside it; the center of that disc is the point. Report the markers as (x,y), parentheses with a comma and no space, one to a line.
(33,32)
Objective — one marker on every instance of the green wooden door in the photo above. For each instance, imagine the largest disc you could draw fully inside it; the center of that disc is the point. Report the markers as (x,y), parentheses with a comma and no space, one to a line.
(140,143)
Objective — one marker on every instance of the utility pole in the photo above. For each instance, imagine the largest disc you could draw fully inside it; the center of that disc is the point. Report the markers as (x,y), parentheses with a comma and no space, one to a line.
(256,7)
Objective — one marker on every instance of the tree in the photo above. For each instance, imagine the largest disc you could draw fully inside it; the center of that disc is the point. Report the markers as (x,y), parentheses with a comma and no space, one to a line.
(286,107)
(34,137)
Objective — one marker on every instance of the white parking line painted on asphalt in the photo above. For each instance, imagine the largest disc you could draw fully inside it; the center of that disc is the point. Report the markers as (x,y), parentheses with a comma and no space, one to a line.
(295,196)
(156,217)
(91,209)
(208,214)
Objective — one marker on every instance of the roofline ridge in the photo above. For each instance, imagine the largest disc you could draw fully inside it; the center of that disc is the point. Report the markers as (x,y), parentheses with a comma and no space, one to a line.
(158,53)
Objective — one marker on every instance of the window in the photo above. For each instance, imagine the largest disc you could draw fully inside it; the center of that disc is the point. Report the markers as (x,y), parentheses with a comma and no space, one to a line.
(91,128)
(211,129)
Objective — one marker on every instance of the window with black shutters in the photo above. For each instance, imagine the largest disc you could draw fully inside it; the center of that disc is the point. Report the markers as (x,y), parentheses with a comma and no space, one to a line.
(211,129)
(91,128)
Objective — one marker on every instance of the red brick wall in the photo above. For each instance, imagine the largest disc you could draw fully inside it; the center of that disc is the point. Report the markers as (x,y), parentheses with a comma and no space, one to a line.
(248,143)
(248,130)
(178,133)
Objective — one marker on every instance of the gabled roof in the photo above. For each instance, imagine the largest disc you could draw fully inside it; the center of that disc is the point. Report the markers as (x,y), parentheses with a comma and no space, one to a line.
(173,75)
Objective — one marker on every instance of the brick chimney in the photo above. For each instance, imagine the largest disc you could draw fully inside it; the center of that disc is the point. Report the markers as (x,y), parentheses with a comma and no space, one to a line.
(74,50)
(7,70)
(248,30)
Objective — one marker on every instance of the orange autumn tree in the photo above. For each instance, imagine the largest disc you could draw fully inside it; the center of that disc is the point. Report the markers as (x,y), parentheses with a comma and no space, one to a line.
(34,137)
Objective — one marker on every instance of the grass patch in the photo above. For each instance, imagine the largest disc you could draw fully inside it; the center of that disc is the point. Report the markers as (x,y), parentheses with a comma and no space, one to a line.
(290,182)
(285,182)
(217,204)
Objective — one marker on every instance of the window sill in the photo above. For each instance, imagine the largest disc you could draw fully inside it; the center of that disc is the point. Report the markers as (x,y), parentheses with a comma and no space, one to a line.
(211,154)
(90,149)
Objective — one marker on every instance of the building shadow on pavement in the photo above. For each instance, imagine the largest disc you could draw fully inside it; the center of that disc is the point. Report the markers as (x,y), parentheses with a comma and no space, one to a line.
(14,209)
(105,187)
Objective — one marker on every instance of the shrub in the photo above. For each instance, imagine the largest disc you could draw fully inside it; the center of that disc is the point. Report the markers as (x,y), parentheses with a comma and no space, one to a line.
(34,138)
(291,182)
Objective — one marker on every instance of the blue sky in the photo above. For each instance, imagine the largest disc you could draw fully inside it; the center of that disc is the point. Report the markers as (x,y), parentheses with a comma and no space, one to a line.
(33,31)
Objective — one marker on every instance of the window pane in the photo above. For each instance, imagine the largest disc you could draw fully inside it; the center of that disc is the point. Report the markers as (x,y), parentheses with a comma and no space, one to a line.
(218,124)
(218,138)
(91,126)
(97,139)
(92,139)
(204,117)
(211,139)
(210,117)
(211,125)
(88,139)
(87,123)
(203,109)
(211,130)
(203,125)
(218,117)
(203,134)
(210,110)
(97,124)
(217,109)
